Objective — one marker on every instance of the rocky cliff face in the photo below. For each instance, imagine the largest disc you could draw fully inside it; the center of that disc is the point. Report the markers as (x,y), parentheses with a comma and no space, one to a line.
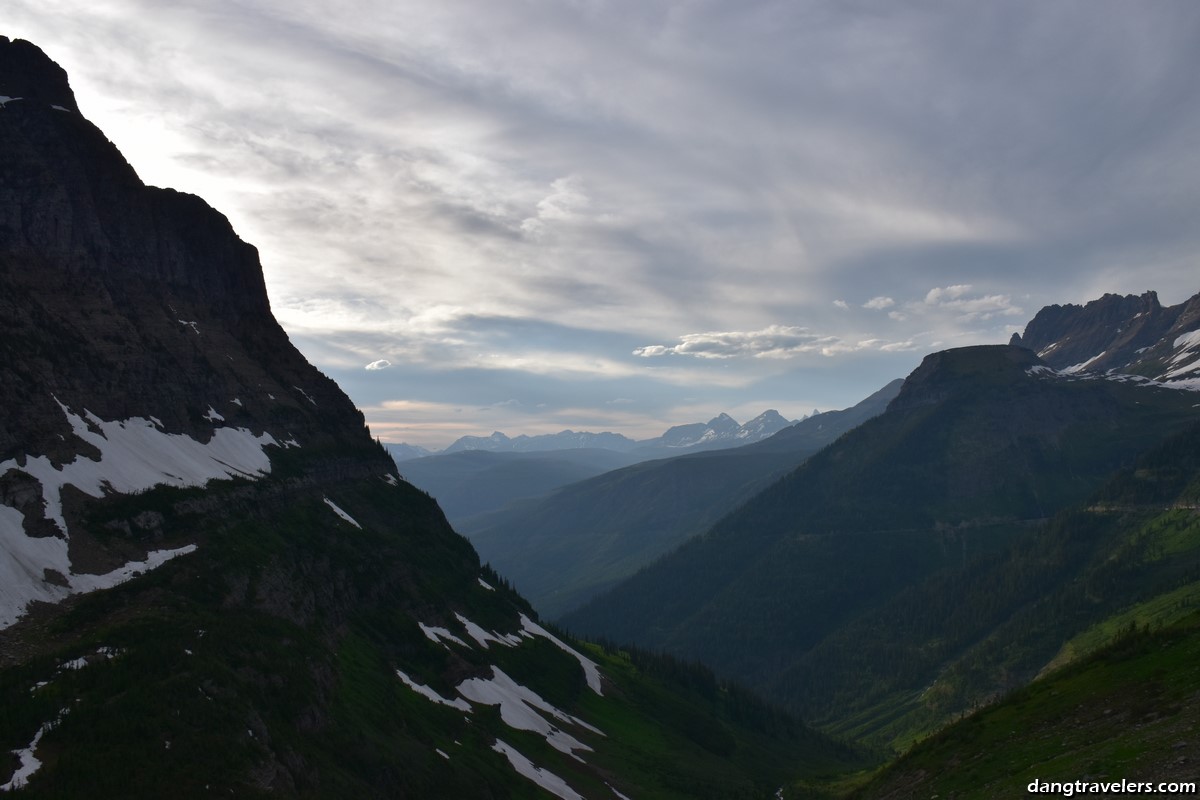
(128,300)
(137,344)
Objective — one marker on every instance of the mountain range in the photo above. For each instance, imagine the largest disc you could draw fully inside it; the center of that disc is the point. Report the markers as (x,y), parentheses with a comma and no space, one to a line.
(477,475)
(719,432)
(212,581)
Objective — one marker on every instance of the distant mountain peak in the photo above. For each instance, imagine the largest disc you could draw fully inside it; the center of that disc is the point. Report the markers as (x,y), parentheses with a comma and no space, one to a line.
(723,422)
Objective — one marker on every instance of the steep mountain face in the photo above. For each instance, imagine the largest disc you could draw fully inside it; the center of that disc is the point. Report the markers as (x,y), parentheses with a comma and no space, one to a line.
(567,547)
(1128,334)
(980,445)
(99,271)
(211,579)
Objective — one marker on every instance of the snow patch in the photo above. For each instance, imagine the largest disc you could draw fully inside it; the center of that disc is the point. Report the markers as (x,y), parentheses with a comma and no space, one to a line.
(441,753)
(1081,366)
(189,324)
(29,762)
(306,395)
(1187,359)
(212,415)
(590,671)
(90,583)
(236,402)
(430,694)
(543,778)
(135,455)
(341,513)
(486,585)
(23,570)
(390,480)
(1188,340)
(61,108)
(483,637)
(437,635)
(5,100)
(519,707)
(1042,353)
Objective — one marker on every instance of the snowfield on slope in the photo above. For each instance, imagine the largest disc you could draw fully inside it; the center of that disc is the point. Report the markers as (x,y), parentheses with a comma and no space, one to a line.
(135,455)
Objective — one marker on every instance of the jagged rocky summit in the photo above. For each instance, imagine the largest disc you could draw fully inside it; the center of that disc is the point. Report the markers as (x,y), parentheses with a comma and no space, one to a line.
(1128,334)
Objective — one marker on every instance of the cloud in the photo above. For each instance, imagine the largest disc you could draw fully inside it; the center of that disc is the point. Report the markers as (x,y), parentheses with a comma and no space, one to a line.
(382,363)
(969,309)
(774,342)
(936,296)
(878,303)
(564,204)
(841,304)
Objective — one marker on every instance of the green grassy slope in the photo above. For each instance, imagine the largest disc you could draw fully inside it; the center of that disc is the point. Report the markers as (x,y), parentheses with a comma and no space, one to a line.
(1128,712)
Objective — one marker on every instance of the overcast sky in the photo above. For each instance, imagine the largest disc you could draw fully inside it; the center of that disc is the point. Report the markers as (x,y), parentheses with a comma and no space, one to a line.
(526,215)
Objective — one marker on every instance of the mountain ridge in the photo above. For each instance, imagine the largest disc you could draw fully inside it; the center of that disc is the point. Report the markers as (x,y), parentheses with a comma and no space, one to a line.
(720,431)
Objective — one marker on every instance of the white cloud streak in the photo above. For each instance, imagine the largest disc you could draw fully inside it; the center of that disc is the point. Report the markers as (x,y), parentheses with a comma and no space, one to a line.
(774,342)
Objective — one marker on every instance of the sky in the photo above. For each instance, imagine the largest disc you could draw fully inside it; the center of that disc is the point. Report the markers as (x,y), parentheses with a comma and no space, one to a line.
(529,216)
